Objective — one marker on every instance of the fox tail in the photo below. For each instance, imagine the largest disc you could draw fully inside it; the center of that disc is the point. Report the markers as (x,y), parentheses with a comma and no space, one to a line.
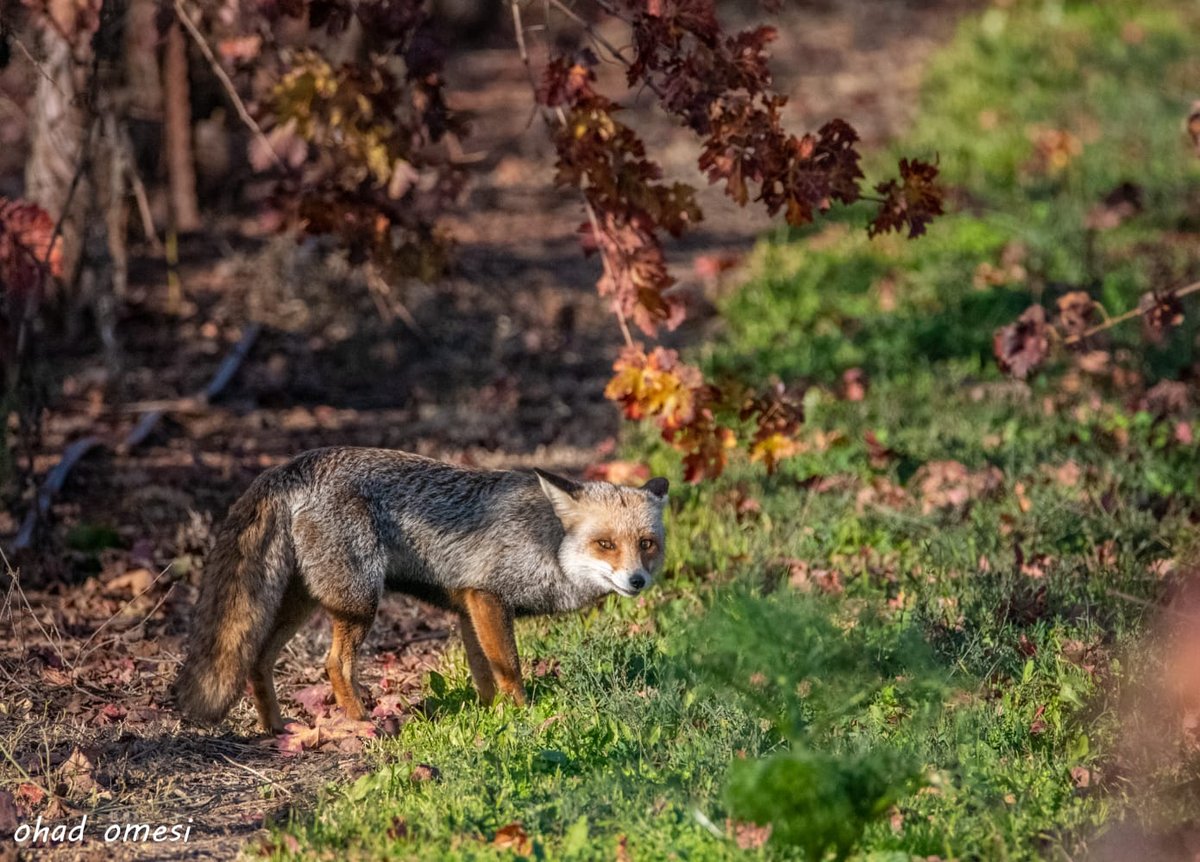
(245,578)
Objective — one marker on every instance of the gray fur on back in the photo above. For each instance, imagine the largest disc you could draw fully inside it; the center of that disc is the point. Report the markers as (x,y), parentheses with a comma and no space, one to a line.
(363,519)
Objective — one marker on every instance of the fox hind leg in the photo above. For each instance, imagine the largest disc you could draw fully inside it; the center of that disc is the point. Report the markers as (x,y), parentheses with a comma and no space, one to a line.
(341,664)
(297,607)
(492,625)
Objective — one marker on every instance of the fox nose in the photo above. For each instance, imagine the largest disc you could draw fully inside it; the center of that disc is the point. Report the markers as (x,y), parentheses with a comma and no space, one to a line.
(637,581)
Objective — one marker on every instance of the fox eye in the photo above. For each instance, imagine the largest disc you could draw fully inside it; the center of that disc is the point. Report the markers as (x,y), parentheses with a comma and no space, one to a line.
(606,544)
(646,544)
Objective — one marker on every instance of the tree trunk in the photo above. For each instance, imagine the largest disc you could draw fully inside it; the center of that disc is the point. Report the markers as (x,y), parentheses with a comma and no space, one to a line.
(177,128)
(57,139)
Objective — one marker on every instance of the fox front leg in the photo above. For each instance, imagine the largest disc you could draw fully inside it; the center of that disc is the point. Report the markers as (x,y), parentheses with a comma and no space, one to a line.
(481,668)
(491,631)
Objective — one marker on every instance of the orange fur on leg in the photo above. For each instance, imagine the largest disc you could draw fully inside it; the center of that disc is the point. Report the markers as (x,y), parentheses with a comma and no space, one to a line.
(493,626)
(481,668)
(348,635)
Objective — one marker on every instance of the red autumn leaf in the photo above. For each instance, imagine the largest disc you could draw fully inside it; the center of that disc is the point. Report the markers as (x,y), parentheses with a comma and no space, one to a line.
(707,446)
(28,795)
(1038,725)
(712,266)
(26,256)
(316,699)
(240,48)
(568,81)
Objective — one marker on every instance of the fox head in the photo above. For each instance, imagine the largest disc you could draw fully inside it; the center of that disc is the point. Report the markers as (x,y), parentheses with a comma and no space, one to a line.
(614,534)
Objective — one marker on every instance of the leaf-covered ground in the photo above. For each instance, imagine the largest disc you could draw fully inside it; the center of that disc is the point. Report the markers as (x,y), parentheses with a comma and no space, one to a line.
(939,630)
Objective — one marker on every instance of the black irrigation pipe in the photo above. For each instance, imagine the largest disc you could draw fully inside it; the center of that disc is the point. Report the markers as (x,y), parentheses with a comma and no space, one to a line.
(74,453)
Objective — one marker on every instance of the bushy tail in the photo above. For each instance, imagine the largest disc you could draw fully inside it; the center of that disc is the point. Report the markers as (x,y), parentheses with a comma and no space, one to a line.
(245,577)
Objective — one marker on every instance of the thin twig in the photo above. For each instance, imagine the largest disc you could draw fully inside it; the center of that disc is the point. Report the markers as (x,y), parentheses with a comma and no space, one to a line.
(230,90)
(561,117)
(83,651)
(139,190)
(1128,315)
(591,31)
(519,29)
(257,774)
(620,312)
(599,39)
(1149,605)
(57,643)
(389,306)
(36,65)
(80,168)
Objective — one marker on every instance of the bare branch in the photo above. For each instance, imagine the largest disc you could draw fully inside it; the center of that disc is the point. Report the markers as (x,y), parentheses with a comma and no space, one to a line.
(1128,315)
(599,38)
(561,118)
(223,77)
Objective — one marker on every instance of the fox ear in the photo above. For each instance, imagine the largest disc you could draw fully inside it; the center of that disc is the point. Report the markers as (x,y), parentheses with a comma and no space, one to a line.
(657,487)
(562,492)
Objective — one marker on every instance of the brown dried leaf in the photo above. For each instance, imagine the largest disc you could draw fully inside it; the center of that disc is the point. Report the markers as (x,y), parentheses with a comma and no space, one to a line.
(513,837)
(1022,347)
(1161,312)
(425,772)
(316,699)
(1117,207)
(950,486)
(748,836)
(1076,311)
(77,775)
(912,202)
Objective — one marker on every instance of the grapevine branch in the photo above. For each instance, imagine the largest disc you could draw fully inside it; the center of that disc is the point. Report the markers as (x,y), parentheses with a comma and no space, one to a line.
(595,223)
(362,119)
(522,48)
(1024,345)
(1110,322)
(719,86)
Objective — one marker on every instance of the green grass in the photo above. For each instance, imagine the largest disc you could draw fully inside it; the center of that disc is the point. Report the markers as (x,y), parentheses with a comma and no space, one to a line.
(938,703)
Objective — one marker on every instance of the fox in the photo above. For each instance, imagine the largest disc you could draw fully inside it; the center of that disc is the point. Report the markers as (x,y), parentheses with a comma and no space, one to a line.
(333,528)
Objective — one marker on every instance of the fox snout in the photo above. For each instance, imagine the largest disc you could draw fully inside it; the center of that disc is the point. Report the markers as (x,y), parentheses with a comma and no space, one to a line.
(627,583)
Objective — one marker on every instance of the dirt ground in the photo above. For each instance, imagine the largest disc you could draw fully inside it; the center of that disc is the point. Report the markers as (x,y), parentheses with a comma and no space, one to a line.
(502,363)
